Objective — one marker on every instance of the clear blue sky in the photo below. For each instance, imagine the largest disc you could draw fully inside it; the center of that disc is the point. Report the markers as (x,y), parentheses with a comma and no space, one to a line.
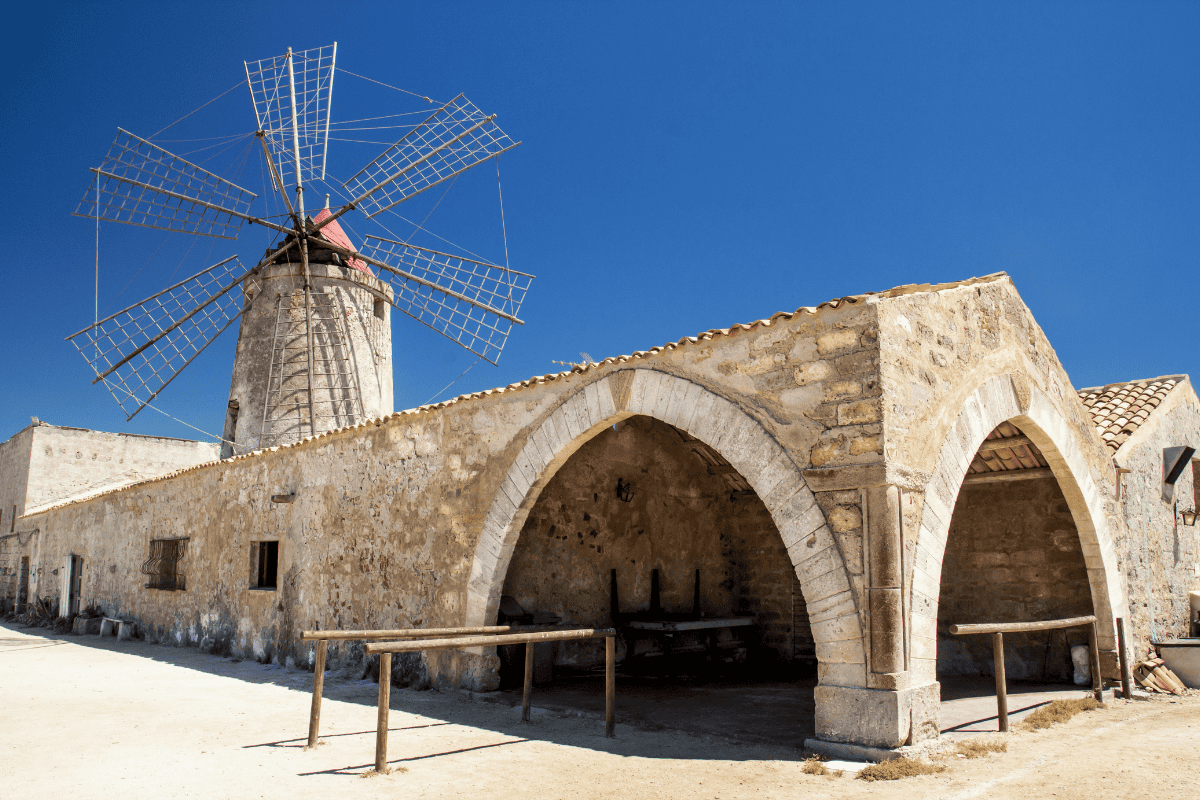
(685,166)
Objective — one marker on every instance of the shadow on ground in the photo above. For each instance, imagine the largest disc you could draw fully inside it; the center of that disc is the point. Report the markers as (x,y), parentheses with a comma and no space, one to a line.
(724,718)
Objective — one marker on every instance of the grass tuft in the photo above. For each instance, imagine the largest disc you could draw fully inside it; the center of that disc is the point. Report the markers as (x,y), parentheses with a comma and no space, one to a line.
(813,765)
(897,768)
(974,748)
(1060,711)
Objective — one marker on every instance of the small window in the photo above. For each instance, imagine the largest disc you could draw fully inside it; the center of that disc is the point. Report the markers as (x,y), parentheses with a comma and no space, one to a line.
(264,565)
(380,309)
(165,566)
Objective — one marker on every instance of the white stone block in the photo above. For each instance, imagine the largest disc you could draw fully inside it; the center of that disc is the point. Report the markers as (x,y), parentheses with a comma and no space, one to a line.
(608,405)
(833,606)
(838,629)
(851,675)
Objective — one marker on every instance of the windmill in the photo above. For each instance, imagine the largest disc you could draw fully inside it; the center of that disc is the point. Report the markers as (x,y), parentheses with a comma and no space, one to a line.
(314,341)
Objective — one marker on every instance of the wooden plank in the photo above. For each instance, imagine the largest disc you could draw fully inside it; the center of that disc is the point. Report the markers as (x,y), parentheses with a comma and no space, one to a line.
(1020,627)
(691,625)
(610,685)
(1008,475)
(381,720)
(1001,685)
(1126,674)
(373,648)
(528,681)
(314,715)
(1094,653)
(721,469)
(990,445)
(421,633)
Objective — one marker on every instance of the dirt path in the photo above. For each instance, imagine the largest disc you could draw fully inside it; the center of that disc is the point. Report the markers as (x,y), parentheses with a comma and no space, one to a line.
(84,717)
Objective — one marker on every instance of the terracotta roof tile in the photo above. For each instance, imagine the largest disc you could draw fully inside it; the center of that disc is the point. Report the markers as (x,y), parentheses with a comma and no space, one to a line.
(1119,409)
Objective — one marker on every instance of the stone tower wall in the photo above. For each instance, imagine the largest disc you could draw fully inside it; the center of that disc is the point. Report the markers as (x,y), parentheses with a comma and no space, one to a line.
(360,347)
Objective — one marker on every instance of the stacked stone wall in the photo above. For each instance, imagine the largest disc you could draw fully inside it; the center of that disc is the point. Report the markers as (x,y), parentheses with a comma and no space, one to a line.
(1013,555)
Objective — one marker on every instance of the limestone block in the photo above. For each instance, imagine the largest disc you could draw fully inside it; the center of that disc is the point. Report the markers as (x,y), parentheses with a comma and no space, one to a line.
(833,606)
(79,626)
(854,675)
(106,627)
(836,341)
(846,651)
(688,406)
(125,631)
(837,629)
(608,403)
(818,587)
(875,717)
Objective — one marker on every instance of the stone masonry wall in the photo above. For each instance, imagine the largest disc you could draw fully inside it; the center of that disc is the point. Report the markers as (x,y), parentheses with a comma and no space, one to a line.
(1013,555)
(1159,555)
(388,515)
(680,519)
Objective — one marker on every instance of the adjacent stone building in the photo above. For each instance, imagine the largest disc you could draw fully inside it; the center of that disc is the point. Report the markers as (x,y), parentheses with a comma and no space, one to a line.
(855,476)
(46,465)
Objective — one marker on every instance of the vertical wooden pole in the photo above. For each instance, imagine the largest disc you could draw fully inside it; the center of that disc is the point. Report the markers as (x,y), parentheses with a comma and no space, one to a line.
(314,717)
(1094,652)
(610,685)
(528,681)
(1001,688)
(1126,675)
(385,697)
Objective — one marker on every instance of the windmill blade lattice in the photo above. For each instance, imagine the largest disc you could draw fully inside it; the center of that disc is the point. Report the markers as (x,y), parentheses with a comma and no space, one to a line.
(271,90)
(139,183)
(139,350)
(455,138)
(472,302)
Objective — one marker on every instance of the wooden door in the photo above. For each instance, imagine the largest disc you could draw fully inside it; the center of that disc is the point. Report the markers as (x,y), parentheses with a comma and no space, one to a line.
(74,590)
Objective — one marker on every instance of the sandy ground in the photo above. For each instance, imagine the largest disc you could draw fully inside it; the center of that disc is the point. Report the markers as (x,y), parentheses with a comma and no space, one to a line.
(83,717)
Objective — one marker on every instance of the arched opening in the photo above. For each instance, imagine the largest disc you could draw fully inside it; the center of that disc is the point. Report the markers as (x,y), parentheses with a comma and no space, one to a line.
(1013,554)
(648,529)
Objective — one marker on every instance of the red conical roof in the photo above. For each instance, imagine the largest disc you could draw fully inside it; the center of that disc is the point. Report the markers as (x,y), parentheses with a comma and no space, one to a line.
(334,234)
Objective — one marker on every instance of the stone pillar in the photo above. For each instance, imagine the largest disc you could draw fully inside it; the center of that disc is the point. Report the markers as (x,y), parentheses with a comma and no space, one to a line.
(890,710)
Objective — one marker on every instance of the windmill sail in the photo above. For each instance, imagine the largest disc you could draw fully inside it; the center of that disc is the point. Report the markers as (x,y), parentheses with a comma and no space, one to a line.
(472,302)
(271,90)
(455,138)
(139,183)
(139,350)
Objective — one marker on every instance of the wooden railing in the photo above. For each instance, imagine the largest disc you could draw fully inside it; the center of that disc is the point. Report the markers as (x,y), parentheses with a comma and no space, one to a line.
(998,629)
(385,643)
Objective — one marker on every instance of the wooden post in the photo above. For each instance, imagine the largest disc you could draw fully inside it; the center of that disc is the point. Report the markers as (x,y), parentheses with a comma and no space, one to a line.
(1094,652)
(528,681)
(385,697)
(314,716)
(1001,688)
(610,685)
(1126,675)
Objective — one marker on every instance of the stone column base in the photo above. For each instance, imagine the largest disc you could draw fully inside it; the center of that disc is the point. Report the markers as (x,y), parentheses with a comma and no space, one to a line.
(878,718)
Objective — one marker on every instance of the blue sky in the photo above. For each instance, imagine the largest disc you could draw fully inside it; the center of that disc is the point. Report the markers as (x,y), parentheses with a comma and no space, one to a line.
(685,166)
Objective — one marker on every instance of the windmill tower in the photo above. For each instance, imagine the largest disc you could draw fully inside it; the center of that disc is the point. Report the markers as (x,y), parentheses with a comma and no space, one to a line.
(314,342)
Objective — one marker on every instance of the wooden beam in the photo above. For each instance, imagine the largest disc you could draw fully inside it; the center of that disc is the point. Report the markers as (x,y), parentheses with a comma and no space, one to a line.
(1003,444)
(721,469)
(1008,475)
(1021,627)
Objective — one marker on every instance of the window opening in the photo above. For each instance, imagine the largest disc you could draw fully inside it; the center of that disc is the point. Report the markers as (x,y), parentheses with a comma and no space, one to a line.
(380,309)
(165,566)
(266,557)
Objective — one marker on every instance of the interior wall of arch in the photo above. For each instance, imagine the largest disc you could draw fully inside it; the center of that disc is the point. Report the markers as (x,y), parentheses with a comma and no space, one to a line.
(680,518)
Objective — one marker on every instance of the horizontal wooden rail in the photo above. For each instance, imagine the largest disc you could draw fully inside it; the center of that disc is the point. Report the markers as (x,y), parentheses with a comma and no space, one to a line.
(416,633)
(488,641)
(323,638)
(998,629)
(386,649)
(1020,627)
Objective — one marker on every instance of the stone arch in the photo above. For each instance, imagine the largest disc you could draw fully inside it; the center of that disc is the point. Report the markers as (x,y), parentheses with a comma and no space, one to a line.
(995,401)
(730,431)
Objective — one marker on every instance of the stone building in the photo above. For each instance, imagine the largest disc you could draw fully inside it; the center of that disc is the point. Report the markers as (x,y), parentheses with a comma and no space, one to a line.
(46,465)
(854,476)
